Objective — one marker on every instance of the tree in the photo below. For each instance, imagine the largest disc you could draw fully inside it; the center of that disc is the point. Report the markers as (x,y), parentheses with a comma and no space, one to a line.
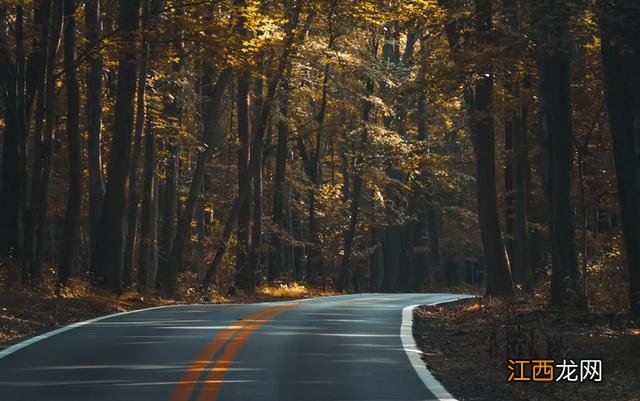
(516,167)
(552,55)
(350,142)
(72,216)
(620,41)
(212,110)
(356,193)
(244,276)
(276,261)
(269,101)
(93,23)
(108,253)
(43,146)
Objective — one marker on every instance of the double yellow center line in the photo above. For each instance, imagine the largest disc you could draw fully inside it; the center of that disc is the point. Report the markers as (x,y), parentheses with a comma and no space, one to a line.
(233,337)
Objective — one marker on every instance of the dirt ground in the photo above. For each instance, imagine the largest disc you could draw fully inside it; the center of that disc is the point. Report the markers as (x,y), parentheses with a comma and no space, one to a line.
(467,347)
(26,311)
(23,316)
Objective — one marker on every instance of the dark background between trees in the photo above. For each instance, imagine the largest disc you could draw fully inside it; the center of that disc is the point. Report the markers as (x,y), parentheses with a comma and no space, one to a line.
(362,145)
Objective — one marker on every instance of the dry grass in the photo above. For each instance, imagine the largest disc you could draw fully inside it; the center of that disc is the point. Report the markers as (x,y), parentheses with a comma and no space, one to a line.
(293,290)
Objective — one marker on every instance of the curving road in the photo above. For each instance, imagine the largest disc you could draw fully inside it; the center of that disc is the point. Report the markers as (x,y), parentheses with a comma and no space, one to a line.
(352,347)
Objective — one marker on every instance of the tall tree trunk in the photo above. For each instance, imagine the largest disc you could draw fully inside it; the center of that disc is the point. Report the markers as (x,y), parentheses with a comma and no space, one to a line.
(21,108)
(509,240)
(108,253)
(132,204)
(516,180)
(168,200)
(483,137)
(201,226)
(149,204)
(9,196)
(93,110)
(244,278)
(275,249)
(349,236)
(354,209)
(557,150)
(152,267)
(255,253)
(70,242)
(520,191)
(13,158)
(170,203)
(35,90)
(621,61)
(40,194)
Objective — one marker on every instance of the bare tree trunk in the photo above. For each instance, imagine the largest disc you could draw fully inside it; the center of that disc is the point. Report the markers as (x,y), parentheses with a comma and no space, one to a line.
(93,23)
(22,109)
(621,60)
(516,180)
(169,197)
(9,196)
(349,236)
(483,137)
(69,245)
(170,203)
(132,204)
(255,253)
(108,253)
(201,227)
(244,278)
(36,71)
(509,240)
(276,251)
(149,203)
(152,267)
(557,131)
(13,188)
(39,200)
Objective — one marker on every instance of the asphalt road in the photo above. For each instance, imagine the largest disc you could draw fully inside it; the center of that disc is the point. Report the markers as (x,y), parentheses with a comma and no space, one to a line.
(343,348)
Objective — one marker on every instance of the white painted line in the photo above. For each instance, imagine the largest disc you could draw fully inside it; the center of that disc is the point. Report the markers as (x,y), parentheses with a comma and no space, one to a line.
(16,347)
(413,353)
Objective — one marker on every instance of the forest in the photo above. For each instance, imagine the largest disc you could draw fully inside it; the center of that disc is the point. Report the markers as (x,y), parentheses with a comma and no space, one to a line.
(178,147)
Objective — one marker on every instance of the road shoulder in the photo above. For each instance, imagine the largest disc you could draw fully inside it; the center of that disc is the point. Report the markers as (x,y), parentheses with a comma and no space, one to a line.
(466,348)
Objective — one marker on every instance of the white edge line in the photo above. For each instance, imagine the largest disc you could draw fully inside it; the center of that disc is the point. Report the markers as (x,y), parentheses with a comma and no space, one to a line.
(22,344)
(413,353)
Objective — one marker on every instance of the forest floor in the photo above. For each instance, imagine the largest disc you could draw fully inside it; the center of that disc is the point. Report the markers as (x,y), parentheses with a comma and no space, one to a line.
(24,314)
(467,346)
(27,311)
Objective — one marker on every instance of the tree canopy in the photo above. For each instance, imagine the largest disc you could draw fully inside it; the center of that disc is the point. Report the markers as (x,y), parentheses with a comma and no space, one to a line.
(172,146)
